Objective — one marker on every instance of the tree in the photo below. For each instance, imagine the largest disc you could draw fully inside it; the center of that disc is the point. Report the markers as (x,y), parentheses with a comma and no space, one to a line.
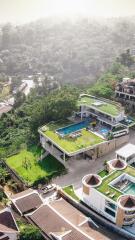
(126,58)
(29,232)
(3,175)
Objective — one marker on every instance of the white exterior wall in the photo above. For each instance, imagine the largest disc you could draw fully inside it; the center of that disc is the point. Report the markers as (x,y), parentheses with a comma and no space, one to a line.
(120,117)
(96,200)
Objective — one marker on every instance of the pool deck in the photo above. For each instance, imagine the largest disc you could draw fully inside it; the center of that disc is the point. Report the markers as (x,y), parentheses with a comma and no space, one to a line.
(106,182)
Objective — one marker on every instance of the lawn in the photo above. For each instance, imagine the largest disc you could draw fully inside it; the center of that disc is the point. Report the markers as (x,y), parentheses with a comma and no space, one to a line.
(27,166)
(70,145)
(104,187)
(103,173)
(108,108)
(70,191)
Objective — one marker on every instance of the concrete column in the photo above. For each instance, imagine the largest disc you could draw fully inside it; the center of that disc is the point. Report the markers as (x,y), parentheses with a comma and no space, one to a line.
(52,147)
(64,157)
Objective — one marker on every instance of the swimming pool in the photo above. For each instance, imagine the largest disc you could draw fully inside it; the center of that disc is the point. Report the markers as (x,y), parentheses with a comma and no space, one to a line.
(73,128)
(130,189)
(104,130)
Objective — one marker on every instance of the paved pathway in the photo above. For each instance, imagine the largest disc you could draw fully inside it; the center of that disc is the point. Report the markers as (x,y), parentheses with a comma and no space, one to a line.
(79,168)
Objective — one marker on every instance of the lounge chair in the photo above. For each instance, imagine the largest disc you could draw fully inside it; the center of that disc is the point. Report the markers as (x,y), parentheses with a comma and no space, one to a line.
(112,195)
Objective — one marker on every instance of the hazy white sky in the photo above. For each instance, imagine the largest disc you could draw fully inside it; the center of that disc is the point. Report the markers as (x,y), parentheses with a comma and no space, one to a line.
(20,11)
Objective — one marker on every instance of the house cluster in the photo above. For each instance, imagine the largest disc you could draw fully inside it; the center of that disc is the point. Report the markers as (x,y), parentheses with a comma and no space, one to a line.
(125,92)
(56,219)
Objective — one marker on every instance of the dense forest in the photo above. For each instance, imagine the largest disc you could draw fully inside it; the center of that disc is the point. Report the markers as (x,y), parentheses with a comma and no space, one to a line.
(73,52)
(95,55)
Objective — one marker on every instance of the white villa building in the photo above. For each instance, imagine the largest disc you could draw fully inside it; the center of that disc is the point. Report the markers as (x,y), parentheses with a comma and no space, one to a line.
(113,194)
(106,111)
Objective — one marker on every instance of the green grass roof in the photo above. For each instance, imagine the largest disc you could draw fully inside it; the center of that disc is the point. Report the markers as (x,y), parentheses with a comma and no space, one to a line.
(104,187)
(107,108)
(68,144)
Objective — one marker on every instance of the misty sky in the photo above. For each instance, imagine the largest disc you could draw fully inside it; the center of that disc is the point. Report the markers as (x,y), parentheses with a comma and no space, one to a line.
(20,11)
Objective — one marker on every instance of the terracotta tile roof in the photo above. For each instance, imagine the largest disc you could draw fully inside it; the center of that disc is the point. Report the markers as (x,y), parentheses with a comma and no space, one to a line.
(5,238)
(29,202)
(118,164)
(91,231)
(68,211)
(93,180)
(22,194)
(129,202)
(62,219)
(48,221)
(7,223)
(76,235)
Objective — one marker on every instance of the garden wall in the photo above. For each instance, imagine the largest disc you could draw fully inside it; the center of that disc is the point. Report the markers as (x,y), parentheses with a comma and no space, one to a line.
(108,146)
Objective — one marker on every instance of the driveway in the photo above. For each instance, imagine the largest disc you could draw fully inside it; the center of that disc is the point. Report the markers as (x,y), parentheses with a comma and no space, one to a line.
(79,168)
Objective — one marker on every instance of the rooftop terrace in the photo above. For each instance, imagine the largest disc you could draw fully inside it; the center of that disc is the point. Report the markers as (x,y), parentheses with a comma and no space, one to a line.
(67,144)
(110,191)
(106,107)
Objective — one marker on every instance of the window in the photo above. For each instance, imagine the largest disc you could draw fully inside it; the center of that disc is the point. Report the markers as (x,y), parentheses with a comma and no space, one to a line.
(110,212)
(111,205)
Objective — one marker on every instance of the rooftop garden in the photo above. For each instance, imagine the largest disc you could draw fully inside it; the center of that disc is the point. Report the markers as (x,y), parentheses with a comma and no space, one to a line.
(27,165)
(110,191)
(70,191)
(103,173)
(107,108)
(68,144)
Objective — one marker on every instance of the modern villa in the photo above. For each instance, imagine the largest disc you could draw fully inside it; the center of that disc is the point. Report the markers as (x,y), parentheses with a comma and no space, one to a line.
(108,113)
(64,141)
(111,193)
(91,126)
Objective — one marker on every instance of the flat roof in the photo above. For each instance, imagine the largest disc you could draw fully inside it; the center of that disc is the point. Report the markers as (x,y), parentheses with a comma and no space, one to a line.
(126,151)
(102,105)
(60,218)
(67,144)
(108,190)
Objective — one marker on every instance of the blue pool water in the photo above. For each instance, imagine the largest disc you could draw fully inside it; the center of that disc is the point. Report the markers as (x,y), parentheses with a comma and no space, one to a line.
(104,130)
(130,189)
(73,128)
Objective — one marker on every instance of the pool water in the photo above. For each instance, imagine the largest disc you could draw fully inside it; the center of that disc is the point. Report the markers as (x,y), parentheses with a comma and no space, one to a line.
(73,128)
(130,189)
(104,130)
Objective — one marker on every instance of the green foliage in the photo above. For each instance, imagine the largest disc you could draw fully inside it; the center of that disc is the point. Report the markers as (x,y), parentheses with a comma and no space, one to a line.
(27,165)
(126,58)
(21,125)
(29,232)
(3,175)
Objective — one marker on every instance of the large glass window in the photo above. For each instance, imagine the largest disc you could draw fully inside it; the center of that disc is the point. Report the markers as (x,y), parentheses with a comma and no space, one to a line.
(110,212)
